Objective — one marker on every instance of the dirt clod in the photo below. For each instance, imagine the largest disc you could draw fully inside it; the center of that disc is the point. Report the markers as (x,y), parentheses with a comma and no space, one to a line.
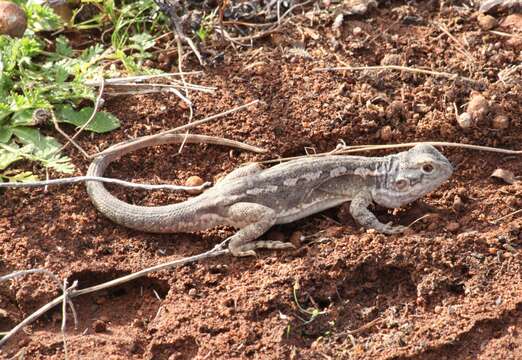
(478,107)
(500,122)
(486,22)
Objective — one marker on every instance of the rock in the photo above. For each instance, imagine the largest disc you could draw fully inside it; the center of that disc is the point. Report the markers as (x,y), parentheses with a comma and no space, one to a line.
(194,181)
(13,20)
(504,175)
(500,122)
(458,204)
(486,22)
(514,43)
(478,107)
(464,120)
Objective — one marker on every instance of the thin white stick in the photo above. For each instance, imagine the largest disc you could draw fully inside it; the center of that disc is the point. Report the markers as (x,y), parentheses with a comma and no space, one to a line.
(77,179)
(358,148)
(114,81)
(398,68)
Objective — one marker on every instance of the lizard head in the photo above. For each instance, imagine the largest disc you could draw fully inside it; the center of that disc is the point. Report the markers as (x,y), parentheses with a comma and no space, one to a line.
(415,173)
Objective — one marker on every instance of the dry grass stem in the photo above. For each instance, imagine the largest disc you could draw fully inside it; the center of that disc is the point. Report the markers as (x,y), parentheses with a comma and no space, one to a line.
(495,222)
(343,149)
(67,137)
(77,179)
(399,68)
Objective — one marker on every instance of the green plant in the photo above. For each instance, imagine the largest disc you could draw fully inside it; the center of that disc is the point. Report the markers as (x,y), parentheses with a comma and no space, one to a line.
(312,312)
(47,75)
(34,79)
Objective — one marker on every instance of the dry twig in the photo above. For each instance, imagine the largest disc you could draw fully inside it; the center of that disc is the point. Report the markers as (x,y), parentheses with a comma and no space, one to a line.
(77,179)
(399,68)
(343,149)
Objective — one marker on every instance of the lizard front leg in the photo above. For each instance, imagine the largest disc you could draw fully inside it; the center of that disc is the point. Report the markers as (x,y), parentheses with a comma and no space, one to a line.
(361,214)
(253,220)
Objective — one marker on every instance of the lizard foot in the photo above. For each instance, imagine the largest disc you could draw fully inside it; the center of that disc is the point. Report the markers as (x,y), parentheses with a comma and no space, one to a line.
(248,249)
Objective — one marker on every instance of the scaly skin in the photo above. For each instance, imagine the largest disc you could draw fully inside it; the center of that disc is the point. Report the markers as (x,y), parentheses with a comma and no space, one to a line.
(253,199)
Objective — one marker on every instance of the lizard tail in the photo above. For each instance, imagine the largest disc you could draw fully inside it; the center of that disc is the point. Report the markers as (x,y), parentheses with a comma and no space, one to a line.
(160,219)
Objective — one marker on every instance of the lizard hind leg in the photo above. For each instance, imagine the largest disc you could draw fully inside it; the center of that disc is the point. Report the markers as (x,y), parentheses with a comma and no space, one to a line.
(253,220)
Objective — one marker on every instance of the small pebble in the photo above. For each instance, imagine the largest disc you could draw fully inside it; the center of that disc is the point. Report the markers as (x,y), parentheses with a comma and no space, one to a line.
(486,22)
(458,204)
(500,122)
(194,181)
(192,292)
(357,30)
(452,226)
(478,106)
(464,120)
(99,326)
(386,133)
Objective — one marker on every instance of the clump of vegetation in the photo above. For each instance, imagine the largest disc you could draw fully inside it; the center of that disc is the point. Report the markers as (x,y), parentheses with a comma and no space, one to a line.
(41,73)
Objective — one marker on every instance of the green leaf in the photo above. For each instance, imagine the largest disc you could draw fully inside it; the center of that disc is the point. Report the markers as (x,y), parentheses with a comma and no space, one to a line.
(142,41)
(23,118)
(33,137)
(41,17)
(7,158)
(5,134)
(102,122)
(62,47)
(45,149)
(5,111)
(22,176)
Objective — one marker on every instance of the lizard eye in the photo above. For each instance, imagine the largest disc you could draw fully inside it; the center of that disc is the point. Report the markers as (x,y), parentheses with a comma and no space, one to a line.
(401,184)
(427,168)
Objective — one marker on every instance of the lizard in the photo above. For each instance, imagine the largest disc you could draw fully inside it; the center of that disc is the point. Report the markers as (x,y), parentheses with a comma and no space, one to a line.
(252,199)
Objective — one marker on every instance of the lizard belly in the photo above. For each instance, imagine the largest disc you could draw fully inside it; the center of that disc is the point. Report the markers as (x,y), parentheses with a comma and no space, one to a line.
(304,210)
